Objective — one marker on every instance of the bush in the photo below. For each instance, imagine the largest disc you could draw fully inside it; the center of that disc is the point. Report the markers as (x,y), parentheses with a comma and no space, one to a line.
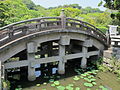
(103,29)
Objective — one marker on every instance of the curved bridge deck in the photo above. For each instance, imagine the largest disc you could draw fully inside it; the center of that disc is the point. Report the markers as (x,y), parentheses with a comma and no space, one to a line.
(62,38)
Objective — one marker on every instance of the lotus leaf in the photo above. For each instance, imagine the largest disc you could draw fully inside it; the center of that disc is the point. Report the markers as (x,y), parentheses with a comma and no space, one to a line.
(77,88)
(88,89)
(94,83)
(51,80)
(76,78)
(81,77)
(37,85)
(69,88)
(44,83)
(53,85)
(70,85)
(88,84)
(92,79)
(57,83)
(44,89)
(91,76)
(84,75)
(58,76)
(60,87)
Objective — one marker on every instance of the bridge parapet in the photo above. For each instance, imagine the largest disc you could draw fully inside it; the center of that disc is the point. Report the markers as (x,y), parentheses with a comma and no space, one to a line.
(26,27)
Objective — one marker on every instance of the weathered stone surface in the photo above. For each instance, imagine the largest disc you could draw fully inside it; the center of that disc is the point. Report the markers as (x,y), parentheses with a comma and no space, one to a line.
(88,43)
(65,40)
(107,54)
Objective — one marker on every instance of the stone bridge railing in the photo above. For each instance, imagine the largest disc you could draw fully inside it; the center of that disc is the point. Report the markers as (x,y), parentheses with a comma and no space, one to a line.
(22,28)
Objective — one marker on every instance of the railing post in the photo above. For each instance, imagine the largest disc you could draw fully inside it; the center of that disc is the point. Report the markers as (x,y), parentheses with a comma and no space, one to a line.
(39,25)
(63,19)
(10,31)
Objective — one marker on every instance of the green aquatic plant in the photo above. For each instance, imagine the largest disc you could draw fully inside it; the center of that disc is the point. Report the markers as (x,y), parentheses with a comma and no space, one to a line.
(46,76)
(90,76)
(88,89)
(81,77)
(57,83)
(84,75)
(88,84)
(51,80)
(94,83)
(76,78)
(37,85)
(58,76)
(93,79)
(44,83)
(53,85)
(44,89)
(71,85)
(102,87)
(17,89)
(77,88)
(60,87)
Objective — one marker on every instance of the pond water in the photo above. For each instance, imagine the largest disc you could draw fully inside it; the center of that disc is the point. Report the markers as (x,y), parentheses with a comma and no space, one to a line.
(107,79)
(103,80)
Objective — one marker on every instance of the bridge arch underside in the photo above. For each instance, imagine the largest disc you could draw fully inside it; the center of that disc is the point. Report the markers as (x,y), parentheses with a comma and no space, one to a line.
(50,46)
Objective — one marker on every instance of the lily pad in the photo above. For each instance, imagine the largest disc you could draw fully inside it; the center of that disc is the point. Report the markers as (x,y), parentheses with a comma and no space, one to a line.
(57,83)
(77,88)
(88,89)
(44,89)
(94,83)
(81,77)
(76,78)
(84,75)
(37,85)
(58,76)
(44,83)
(91,76)
(69,88)
(101,86)
(70,85)
(93,79)
(88,84)
(51,80)
(60,87)
(53,85)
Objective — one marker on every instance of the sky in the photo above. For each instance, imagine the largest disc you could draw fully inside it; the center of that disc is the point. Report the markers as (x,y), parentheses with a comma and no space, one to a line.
(83,3)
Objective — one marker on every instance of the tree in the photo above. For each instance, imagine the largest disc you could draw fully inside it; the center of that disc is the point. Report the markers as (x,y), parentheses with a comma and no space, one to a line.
(114,5)
(4,13)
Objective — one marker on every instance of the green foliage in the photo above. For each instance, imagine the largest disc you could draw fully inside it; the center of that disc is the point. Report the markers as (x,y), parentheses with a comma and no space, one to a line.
(96,19)
(29,4)
(114,5)
(18,10)
(6,84)
(91,10)
(103,29)
(4,12)
(69,12)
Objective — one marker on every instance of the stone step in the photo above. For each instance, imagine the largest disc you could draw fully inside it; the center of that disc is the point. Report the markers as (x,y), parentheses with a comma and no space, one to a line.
(108,53)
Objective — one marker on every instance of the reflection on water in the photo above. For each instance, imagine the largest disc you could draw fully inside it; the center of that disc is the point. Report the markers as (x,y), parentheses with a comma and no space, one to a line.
(54,70)
(37,73)
(45,73)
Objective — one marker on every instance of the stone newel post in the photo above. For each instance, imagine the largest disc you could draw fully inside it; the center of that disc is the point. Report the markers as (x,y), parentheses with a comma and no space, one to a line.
(63,19)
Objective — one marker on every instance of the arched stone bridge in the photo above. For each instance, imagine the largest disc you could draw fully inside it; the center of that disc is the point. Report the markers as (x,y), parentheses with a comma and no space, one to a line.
(52,39)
